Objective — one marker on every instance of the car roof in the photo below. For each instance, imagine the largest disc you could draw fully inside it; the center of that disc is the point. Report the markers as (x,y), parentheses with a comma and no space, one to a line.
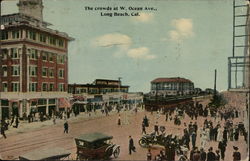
(44,154)
(93,137)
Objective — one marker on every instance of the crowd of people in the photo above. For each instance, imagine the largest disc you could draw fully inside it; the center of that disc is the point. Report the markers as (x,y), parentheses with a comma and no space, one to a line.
(219,128)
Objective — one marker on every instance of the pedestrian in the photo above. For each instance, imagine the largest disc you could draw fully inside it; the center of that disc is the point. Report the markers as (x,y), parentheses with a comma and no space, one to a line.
(17,122)
(156,128)
(236,154)
(66,127)
(203,155)
(143,128)
(54,120)
(222,146)
(131,145)
(119,120)
(220,134)
(210,154)
(217,155)
(3,131)
(236,134)
(204,139)
(193,136)
(196,155)
(149,155)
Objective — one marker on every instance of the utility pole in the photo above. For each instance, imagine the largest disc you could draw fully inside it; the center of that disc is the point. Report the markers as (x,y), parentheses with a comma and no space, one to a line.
(119,89)
(215,77)
(0,59)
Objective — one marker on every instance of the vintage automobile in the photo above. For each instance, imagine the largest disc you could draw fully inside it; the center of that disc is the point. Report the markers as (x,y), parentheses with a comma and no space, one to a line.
(46,154)
(96,146)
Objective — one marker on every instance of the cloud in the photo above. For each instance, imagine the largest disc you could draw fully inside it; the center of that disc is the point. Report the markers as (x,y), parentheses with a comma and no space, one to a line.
(123,44)
(183,29)
(114,39)
(140,53)
(144,17)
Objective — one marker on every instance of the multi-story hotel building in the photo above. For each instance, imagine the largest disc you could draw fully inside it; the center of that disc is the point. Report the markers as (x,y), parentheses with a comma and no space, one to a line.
(34,63)
(172,86)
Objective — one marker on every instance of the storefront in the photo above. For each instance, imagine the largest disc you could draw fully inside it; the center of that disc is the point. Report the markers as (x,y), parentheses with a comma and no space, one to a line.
(5,109)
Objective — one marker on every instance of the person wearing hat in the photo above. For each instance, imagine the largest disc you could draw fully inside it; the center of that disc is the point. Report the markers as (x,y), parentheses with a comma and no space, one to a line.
(193,136)
(210,154)
(217,155)
(222,146)
(131,145)
(236,154)
(203,155)
(149,155)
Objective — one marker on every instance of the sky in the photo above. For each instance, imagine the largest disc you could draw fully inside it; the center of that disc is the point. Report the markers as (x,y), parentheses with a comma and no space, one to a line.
(179,38)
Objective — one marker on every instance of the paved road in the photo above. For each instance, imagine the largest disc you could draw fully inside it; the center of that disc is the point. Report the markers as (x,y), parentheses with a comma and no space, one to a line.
(52,136)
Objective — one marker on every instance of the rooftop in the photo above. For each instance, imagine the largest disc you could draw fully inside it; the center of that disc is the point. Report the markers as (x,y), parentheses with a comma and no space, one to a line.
(172,79)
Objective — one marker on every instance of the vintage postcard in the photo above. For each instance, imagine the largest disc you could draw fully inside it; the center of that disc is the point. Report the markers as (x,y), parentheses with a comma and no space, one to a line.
(155,80)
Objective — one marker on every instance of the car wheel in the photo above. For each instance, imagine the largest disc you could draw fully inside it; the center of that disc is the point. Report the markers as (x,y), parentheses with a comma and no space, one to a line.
(116,152)
(143,143)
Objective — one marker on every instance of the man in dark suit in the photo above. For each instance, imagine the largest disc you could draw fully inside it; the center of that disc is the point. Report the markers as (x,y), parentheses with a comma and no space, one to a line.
(131,145)
(210,154)
(236,154)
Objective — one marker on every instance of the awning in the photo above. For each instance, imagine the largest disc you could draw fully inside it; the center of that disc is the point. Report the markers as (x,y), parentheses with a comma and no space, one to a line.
(64,103)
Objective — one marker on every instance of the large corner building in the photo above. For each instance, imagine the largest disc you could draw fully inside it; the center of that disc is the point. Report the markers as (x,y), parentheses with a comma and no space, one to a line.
(34,63)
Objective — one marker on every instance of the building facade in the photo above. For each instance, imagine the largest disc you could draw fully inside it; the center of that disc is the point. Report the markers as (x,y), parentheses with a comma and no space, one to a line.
(34,63)
(99,86)
(171,86)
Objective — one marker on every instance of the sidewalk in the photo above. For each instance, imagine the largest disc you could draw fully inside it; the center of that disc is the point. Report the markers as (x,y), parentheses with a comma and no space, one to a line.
(24,126)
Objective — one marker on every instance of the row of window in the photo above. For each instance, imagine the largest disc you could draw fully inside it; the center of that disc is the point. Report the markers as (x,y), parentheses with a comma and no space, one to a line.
(15,70)
(82,90)
(171,86)
(15,87)
(46,87)
(46,56)
(13,53)
(32,35)
(46,72)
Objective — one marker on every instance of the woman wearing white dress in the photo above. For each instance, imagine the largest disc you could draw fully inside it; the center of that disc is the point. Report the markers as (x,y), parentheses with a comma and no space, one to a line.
(220,134)
(204,139)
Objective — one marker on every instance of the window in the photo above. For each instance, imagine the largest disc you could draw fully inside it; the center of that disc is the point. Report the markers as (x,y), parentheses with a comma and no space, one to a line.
(5,53)
(44,87)
(60,59)
(50,57)
(4,71)
(51,72)
(45,56)
(15,34)
(61,73)
(33,53)
(14,54)
(5,35)
(15,87)
(61,43)
(33,87)
(5,87)
(32,35)
(33,71)
(44,72)
(52,40)
(61,87)
(51,87)
(15,70)
(42,38)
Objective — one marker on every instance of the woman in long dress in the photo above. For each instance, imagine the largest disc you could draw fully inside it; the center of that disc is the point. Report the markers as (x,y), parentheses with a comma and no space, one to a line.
(220,134)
